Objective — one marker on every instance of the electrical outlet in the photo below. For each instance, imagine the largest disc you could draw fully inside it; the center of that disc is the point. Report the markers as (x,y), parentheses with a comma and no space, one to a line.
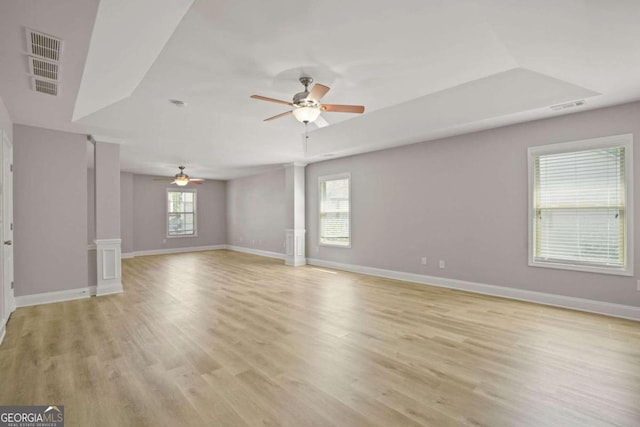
(442,263)
(424,260)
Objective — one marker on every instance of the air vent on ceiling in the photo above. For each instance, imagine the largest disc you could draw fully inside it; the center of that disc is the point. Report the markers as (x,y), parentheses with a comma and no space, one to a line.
(41,68)
(567,105)
(45,86)
(44,45)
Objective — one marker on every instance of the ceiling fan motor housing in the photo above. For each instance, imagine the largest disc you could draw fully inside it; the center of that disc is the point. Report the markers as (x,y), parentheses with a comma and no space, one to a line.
(302,99)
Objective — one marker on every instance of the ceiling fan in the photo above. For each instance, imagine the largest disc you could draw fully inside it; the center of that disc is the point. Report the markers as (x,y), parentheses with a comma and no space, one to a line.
(307,107)
(181,179)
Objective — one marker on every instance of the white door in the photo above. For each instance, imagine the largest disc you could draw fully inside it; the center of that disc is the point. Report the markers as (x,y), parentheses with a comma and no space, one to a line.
(7,224)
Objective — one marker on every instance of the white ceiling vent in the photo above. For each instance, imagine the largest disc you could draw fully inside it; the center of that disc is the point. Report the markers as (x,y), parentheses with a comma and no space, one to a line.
(567,105)
(45,86)
(41,68)
(43,45)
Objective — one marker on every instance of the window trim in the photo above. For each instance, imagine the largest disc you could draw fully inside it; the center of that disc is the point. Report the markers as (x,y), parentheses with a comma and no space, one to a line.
(322,179)
(195,211)
(624,140)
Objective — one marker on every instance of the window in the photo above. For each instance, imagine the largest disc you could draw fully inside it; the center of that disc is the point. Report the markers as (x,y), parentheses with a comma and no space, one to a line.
(335,215)
(581,210)
(181,213)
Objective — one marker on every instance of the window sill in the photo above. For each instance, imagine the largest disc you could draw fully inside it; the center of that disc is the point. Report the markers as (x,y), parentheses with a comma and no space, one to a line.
(584,268)
(331,245)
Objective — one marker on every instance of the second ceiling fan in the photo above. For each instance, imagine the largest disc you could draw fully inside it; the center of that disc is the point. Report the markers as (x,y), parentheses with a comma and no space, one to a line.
(307,106)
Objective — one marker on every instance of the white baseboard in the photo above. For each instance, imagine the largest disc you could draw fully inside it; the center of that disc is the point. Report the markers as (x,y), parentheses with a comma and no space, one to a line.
(3,329)
(12,304)
(49,297)
(173,251)
(581,304)
(109,289)
(295,262)
(256,252)
(259,252)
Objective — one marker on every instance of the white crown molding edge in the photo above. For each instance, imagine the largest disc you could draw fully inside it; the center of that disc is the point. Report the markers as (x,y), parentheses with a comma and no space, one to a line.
(295,164)
(259,252)
(573,303)
(105,139)
(51,297)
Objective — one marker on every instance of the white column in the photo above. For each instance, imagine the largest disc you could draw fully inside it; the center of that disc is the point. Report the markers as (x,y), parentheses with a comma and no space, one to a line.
(107,194)
(295,225)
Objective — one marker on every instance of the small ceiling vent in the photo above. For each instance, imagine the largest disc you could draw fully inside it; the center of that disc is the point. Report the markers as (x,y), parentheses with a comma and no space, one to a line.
(568,105)
(45,86)
(43,45)
(41,68)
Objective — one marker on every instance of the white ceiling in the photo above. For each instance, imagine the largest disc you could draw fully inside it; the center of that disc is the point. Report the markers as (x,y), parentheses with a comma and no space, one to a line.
(424,69)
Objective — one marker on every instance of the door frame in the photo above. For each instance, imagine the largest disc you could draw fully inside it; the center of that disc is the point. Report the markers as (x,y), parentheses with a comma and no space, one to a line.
(6,150)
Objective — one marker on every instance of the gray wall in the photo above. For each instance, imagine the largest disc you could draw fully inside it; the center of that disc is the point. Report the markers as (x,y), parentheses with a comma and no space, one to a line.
(149,215)
(50,210)
(126,211)
(464,200)
(256,211)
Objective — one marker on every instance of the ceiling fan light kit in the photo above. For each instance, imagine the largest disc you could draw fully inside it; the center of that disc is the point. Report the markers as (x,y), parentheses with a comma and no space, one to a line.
(306,114)
(306,104)
(181,179)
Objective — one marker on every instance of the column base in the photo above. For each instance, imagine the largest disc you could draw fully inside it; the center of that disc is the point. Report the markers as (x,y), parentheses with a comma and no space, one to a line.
(295,248)
(108,266)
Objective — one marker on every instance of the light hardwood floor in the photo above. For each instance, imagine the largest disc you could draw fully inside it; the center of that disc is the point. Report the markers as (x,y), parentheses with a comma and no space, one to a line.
(221,338)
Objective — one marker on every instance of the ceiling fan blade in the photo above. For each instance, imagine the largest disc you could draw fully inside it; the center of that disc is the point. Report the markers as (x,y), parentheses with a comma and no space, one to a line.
(264,98)
(196,180)
(342,108)
(321,122)
(191,181)
(163,179)
(278,116)
(318,91)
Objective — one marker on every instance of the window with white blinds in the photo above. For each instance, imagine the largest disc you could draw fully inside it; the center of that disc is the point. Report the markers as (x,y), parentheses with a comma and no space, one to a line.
(580,216)
(181,213)
(335,210)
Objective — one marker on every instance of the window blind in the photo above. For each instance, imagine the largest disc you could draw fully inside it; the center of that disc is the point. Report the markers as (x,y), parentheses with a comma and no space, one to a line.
(579,202)
(335,212)
(181,213)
